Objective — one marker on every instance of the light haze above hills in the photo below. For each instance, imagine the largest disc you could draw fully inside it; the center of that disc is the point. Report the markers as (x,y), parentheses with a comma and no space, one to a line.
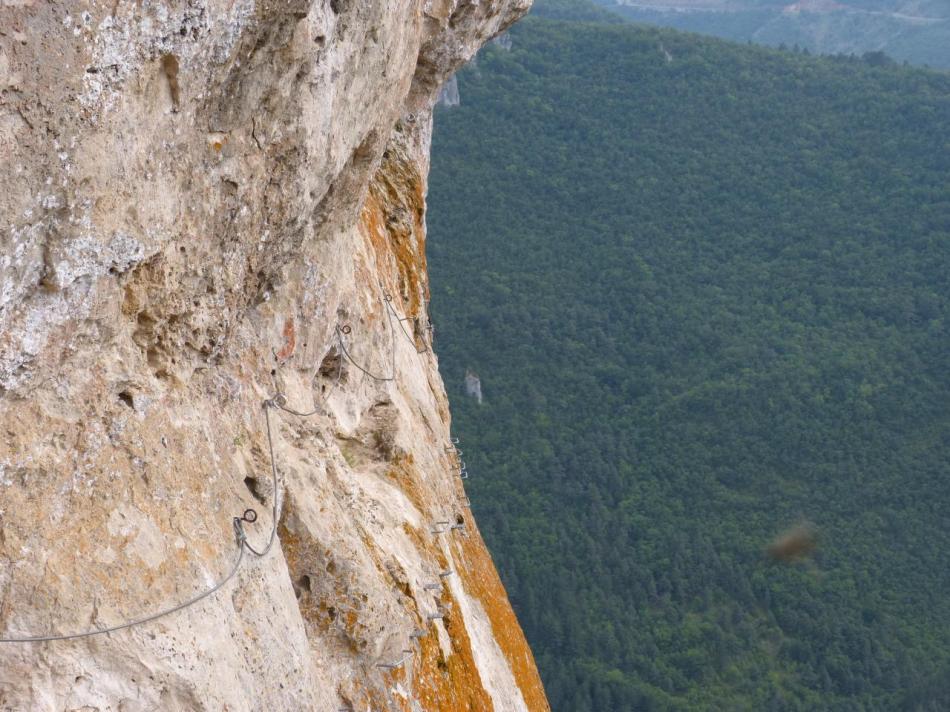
(917,31)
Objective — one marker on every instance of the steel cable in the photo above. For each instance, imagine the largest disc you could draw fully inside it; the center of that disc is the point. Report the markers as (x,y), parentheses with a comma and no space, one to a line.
(402,327)
(242,543)
(345,329)
(278,401)
(239,530)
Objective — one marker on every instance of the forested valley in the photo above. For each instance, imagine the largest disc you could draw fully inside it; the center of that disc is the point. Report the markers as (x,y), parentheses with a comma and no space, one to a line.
(706,289)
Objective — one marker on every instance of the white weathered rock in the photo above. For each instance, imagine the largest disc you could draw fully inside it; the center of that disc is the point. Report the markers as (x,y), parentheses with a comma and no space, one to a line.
(193,196)
(449,93)
(473,385)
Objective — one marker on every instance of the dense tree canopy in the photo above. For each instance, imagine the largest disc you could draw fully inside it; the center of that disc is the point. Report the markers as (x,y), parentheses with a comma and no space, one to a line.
(707,290)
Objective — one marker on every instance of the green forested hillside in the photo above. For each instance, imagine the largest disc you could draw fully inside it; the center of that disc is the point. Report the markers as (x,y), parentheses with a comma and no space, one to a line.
(707,290)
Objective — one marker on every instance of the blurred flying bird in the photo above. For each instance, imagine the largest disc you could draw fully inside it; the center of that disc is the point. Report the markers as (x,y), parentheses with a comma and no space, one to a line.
(794,544)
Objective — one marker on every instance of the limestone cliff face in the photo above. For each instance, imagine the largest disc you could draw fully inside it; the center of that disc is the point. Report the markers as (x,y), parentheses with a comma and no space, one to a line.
(202,204)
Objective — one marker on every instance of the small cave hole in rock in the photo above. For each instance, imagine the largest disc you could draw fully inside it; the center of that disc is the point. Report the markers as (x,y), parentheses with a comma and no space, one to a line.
(332,366)
(331,567)
(253,486)
(336,6)
(126,398)
(170,67)
(302,586)
(331,611)
(460,519)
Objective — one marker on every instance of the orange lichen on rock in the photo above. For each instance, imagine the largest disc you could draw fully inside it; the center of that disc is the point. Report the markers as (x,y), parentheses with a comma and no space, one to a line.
(326,604)
(449,684)
(403,472)
(480,579)
(313,613)
(392,220)
(290,340)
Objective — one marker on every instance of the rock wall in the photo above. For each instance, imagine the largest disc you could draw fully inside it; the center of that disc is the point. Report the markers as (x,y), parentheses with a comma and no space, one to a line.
(205,204)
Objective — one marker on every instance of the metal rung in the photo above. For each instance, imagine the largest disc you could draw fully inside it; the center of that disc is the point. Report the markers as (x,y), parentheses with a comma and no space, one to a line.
(391,666)
(406,654)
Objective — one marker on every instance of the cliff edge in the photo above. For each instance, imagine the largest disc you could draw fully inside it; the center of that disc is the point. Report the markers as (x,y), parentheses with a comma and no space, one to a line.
(212,273)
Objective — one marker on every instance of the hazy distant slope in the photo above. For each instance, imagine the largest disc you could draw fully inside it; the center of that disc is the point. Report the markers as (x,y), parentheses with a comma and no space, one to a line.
(914,30)
(574,10)
(707,290)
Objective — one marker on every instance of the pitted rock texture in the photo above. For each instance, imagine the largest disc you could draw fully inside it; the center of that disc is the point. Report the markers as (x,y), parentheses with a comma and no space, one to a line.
(194,197)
